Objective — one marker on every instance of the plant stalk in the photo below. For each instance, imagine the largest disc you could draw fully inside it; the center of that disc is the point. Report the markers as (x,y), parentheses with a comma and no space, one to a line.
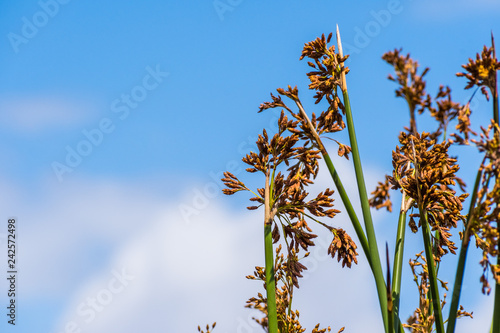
(459,276)
(496,309)
(431,267)
(398,264)
(272,315)
(390,303)
(370,231)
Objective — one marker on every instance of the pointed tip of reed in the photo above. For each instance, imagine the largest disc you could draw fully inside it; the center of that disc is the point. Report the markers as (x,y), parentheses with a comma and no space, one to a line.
(339,42)
(493,44)
(341,54)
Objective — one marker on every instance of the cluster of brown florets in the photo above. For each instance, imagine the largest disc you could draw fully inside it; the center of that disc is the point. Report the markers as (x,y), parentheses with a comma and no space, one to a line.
(328,69)
(422,320)
(482,72)
(208,328)
(426,173)
(485,226)
(289,161)
(412,85)
(325,80)
(288,319)
(290,204)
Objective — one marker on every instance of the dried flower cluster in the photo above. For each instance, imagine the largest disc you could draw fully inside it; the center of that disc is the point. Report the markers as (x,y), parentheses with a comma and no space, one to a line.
(328,71)
(208,328)
(289,161)
(289,202)
(482,71)
(425,172)
(485,225)
(412,85)
(445,111)
(441,107)
(325,80)
(422,320)
(288,198)
(288,319)
(381,196)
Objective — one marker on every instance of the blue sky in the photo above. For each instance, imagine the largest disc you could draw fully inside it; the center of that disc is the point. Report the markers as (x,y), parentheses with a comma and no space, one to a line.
(116,118)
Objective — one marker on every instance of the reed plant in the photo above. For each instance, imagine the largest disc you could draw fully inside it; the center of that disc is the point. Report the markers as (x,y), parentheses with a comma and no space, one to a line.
(432,197)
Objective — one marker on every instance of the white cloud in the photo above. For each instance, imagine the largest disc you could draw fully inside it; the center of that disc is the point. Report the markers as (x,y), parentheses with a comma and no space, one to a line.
(183,274)
(32,113)
(192,272)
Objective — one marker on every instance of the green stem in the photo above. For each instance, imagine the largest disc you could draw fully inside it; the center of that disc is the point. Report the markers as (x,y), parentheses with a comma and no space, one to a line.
(390,303)
(398,264)
(496,308)
(459,276)
(370,231)
(431,267)
(270,282)
(377,268)
(272,315)
(363,196)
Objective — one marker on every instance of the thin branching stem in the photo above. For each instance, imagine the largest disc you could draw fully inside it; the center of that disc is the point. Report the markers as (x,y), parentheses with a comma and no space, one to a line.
(338,184)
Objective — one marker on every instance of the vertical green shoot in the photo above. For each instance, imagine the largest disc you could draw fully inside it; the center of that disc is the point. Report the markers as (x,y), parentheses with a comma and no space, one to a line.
(272,315)
(431,267)
(363,196)
(398,263)
(459,276)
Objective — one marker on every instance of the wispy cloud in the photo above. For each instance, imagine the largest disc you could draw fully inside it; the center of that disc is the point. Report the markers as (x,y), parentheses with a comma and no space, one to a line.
(187,274)
(38,113)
